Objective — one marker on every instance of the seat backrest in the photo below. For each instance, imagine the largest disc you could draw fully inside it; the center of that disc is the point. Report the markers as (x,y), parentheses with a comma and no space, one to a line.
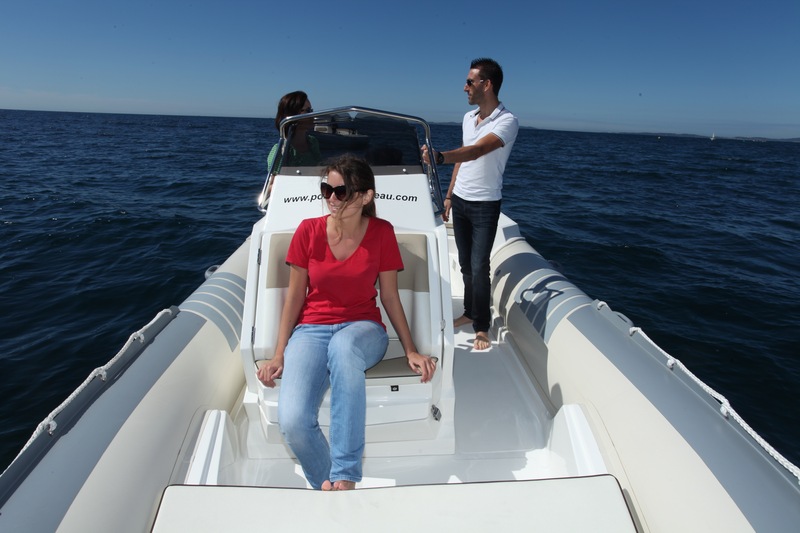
(277,271)
(414,287)
(273,283)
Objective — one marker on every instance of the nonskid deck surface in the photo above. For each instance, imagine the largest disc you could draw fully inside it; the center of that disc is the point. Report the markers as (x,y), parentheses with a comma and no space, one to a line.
(501,427)
(501,432)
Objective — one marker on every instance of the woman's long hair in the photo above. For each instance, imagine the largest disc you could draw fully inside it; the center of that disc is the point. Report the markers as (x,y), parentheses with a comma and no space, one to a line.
(291,104)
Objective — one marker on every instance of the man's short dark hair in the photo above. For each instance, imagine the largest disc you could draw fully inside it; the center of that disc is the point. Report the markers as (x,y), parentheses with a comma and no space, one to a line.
(490,70)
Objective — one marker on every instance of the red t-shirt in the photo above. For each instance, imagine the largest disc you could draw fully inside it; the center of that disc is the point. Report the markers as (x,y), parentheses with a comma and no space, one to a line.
(343,291)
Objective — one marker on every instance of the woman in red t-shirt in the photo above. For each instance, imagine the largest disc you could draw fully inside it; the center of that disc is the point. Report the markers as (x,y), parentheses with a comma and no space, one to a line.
(331,331)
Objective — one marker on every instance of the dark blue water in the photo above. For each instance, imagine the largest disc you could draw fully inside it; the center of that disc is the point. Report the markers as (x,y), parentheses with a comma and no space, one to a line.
(107,219)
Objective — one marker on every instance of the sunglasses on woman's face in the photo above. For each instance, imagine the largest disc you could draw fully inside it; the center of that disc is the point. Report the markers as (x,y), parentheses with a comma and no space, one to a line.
(340,191)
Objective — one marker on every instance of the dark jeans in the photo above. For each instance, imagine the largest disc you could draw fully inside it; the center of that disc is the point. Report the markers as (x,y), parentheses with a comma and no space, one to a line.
(474,228)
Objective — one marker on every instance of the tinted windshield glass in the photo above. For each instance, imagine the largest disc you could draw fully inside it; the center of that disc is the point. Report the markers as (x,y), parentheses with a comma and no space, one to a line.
(383,141)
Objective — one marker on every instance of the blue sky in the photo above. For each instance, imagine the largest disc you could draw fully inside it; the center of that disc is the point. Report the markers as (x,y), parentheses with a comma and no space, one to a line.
(699,66)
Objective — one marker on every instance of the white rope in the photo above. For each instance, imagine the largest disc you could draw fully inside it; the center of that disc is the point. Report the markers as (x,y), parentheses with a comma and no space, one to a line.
(49,424)
(725,406)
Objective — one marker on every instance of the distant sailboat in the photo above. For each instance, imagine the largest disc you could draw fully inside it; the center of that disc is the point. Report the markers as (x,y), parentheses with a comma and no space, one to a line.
(713,136)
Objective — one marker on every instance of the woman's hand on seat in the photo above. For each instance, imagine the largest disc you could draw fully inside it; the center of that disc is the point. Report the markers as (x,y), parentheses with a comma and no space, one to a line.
(271,371)
(423,365)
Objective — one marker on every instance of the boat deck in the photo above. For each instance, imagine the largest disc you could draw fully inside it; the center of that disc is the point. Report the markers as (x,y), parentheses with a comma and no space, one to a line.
(503,433)
(504,439)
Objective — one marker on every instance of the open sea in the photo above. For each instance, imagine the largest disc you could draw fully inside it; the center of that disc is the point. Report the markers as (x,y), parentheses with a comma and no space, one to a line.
(107,219)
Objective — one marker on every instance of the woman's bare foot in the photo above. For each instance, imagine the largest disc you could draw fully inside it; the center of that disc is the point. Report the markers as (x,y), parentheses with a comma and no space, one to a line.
(344,485)
(482,341)
(327,486)
(463,320)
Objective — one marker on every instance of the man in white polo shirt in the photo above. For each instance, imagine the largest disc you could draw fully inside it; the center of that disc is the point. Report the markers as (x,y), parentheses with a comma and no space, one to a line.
(488,134)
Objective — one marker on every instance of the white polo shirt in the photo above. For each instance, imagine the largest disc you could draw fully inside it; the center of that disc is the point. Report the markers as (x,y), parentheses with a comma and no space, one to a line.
(482,179)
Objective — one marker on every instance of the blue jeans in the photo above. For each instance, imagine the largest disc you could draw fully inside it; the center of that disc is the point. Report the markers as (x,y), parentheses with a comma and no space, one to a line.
(474,228)
(318,357)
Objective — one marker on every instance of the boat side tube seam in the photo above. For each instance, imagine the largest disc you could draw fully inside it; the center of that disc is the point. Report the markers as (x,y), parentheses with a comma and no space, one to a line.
(36,448)
(725,408)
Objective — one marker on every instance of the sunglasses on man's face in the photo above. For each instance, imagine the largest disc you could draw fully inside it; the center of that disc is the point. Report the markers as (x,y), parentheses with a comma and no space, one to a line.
(340,191)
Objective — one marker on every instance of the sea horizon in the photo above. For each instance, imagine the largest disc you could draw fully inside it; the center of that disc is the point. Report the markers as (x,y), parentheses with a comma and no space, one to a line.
(753,138)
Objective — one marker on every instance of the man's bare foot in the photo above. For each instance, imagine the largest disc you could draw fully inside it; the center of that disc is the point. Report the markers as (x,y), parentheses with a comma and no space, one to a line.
(482,341)
(327,486)
(344,485)
(463,320)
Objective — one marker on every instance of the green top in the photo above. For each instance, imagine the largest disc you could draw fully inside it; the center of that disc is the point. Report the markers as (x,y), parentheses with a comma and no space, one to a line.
(298,159)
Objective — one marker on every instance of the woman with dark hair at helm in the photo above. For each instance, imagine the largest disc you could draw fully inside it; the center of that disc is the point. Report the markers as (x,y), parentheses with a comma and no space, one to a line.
(303,149)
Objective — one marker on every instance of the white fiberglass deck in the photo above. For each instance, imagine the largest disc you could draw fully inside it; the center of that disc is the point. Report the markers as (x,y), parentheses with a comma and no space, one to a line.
(503,432)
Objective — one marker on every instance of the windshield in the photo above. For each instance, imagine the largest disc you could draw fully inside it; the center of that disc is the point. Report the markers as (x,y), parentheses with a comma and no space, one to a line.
(389,142)
(313,140)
